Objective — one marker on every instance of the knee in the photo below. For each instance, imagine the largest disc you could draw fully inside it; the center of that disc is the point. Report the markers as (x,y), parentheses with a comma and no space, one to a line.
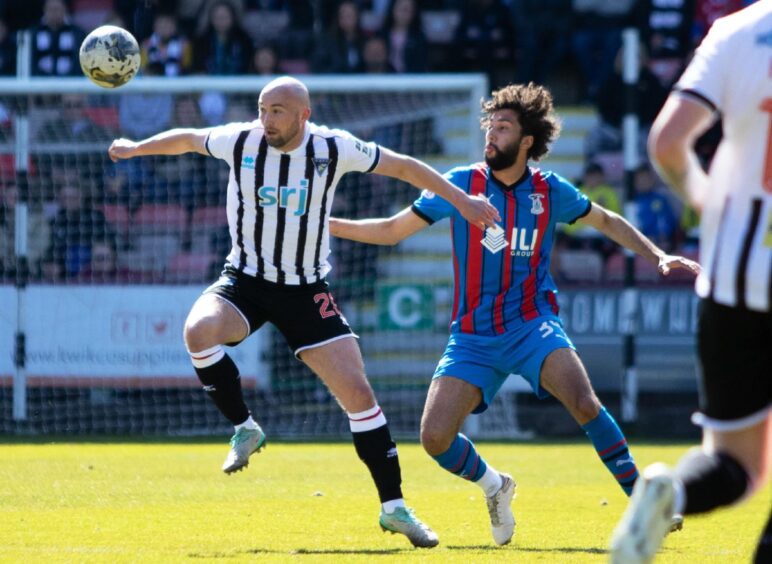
(434,439)
(200,334)
(585,407)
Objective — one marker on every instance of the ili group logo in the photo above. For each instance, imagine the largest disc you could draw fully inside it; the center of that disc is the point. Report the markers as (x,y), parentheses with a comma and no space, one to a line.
(522,245)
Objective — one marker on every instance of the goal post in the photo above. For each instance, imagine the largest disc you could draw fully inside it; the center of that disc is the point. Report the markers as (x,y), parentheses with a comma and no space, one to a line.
(118,252)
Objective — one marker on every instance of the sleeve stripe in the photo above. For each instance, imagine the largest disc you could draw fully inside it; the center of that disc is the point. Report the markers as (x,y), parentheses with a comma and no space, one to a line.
(375,160)
(584,213)
(421,214)
(689,93)
(206,143)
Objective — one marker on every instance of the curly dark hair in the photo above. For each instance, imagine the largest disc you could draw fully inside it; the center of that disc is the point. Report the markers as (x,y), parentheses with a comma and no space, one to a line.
(533,106)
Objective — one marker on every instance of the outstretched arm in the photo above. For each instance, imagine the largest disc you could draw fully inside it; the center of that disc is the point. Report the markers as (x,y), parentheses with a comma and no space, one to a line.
(381,231)
(618,229)
(475,209)
(671,139)
(171,142)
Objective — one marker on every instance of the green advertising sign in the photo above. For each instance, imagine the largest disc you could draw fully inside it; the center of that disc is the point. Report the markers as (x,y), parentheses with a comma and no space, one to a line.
(405,306)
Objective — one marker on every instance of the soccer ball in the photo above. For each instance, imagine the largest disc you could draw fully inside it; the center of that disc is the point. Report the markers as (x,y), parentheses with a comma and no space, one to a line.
(109,56)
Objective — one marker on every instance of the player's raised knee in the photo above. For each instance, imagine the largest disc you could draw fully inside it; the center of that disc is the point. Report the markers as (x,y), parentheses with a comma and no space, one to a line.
(586,407)
(201,333)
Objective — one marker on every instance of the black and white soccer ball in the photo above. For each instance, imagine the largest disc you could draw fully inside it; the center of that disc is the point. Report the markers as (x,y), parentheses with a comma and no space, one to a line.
(109,56)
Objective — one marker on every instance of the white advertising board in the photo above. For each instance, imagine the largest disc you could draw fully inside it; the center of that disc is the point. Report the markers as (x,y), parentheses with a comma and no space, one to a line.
(110,331)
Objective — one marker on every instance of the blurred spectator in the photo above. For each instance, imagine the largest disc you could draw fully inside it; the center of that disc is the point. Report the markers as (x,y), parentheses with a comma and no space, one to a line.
(597,37)
(103,268)
(375,56)
(595,185)
(265,60)
(656,218)
(143,114)
(666,29)
(74,229)
(543,37)
(38,234)
(20,15)
(73,123)
(55,42)
(650,96)
(187,112)
(167,47)
(7,50)
(224,47)
(405,39)
(339,50)
(485,38)
(708,11)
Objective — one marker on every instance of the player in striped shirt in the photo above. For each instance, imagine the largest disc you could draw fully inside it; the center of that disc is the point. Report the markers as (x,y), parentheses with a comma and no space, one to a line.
(505,313)
(283,174)
(729,78)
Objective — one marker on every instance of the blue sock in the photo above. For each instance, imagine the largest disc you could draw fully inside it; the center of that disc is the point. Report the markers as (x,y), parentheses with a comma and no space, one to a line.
(611,446)
(462,459)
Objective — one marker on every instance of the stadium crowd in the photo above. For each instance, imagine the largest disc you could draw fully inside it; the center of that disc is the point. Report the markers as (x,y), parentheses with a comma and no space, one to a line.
(92,220)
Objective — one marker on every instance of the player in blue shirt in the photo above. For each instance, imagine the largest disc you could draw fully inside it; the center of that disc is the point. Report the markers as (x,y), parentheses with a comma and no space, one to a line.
(505,313)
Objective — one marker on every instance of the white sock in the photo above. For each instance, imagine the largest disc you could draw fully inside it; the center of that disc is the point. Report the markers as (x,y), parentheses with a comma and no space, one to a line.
(248,424)
(490,482)
(392,504)
(679,497)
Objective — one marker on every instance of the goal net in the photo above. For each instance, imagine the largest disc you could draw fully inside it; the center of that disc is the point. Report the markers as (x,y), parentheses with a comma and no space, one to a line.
(118,252)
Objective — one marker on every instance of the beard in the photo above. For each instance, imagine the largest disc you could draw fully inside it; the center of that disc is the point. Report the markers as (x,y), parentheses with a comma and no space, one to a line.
(504,157)
(278,140)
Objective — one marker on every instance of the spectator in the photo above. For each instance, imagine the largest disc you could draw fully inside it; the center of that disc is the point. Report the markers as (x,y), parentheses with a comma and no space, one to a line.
(55,42)
(224,47)
(375,56)
(73,124)
(596,39)
(187,113)
(650,96)
(144,113)
(656,218)
(405,39)
(708,11)
(543,37)
(167,47)
(595,185)
(7,50)
(265,60)
(666,29)
(74,229)
(38,234)
(340,49)
(103,266)
(485,39)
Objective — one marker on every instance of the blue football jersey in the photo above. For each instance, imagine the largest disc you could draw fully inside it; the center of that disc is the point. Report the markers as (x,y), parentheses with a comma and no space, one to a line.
(502,275)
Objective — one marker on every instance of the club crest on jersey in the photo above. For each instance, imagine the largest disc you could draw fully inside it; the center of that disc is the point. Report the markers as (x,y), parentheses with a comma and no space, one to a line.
(248,162)
(494,239)
(320,165)
(536,207)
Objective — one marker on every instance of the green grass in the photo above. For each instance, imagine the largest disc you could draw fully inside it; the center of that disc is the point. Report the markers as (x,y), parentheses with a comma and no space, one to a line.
(169,502)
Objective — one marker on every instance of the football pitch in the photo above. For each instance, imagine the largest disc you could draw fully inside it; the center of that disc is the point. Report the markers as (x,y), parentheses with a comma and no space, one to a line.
(300,502)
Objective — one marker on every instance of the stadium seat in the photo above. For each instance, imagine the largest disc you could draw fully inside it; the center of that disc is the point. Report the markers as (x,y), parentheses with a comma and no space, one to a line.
(104,116)
(117,215)
(580,265)
(160,218)
(204,224)
(189,268)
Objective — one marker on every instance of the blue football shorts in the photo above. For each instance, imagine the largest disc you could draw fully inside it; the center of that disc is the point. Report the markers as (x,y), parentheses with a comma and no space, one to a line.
(487,361)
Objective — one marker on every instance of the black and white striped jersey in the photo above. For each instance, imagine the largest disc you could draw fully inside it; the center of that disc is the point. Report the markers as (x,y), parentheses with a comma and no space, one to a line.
(279,203)
(732,73)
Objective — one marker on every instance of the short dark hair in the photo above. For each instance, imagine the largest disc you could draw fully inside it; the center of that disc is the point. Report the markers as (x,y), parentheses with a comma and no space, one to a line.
(535,112)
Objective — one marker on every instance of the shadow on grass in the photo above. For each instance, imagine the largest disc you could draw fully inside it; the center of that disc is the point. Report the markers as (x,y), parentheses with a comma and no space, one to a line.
(299,551)
(512,547)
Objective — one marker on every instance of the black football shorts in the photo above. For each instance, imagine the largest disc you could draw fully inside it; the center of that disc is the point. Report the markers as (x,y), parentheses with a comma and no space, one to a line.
(735,351)
(306,315)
